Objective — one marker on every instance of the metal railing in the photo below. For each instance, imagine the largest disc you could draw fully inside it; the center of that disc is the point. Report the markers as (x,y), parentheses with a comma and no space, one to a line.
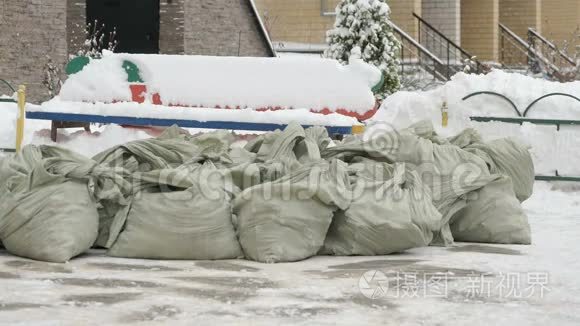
(551,52)
(452,55)
(517,54)
(524,118)
(414,54)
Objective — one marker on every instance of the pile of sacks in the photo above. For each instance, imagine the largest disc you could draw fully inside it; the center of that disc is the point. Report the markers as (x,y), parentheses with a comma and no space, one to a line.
(285,196)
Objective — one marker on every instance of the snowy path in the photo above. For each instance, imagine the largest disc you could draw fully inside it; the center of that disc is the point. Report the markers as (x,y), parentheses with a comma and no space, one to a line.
(469,284)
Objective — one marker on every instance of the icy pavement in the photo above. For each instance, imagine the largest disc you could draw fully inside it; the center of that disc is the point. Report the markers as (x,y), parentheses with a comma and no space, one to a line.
(468,284)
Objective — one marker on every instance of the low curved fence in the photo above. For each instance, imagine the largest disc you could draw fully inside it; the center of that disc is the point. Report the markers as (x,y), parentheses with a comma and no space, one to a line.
(522,118)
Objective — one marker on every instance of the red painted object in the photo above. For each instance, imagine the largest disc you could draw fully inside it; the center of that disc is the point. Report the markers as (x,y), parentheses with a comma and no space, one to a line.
(139,92)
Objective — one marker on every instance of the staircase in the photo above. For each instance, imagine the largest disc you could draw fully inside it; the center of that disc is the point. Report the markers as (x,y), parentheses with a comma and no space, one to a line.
(415,57)
(433,53)
(567,66)
(536,55)
(454,57)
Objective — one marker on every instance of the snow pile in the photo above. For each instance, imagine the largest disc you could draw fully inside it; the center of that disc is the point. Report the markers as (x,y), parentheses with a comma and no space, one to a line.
(145,110)
(100,81)
(9,113)
(90,144)
(405,108)
(551,149)
(243,82)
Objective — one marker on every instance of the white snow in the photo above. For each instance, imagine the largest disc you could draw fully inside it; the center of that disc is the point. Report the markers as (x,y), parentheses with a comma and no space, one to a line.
(9,113)
(552,150)
(203,81)
(100,139)
(100,81)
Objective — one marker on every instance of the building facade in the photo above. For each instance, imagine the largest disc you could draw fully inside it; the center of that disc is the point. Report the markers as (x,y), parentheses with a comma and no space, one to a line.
(472,24)
(35,31)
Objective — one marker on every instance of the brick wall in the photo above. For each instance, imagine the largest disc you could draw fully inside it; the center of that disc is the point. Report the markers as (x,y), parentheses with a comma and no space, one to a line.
(171,21)
(559,20)
(519,15)
(302,21)
(445,16)
(171,26)
(76,17)
(31,30)
(299,21)
(222,27)
(402,14)
(479,28)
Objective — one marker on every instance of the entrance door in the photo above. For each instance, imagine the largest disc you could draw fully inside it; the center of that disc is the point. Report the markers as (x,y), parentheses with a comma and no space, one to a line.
(136,21)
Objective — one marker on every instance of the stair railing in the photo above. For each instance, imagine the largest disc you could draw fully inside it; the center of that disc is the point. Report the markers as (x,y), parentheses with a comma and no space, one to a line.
(516,53)
(450,53)
(549,50)
(413,53)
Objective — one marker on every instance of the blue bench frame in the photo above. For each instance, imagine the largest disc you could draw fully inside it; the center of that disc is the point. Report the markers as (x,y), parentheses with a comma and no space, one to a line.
(154,122)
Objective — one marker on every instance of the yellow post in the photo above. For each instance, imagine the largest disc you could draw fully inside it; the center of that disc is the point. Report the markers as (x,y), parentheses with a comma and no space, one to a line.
(444,115)
(21,117)
(358,129)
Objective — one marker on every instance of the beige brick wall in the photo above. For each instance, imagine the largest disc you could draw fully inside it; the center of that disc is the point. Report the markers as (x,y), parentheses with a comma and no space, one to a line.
(519,15)
(444,15)
(302,21)
(559,19)
(402,14)
(298,21)
(479,28)
(31,30)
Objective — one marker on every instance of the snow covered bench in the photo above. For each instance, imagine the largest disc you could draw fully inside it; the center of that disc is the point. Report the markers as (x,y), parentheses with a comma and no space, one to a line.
(242,93)
(136,114)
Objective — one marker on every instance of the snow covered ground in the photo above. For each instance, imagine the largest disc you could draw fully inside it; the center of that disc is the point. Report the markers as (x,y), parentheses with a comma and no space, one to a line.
(467,284)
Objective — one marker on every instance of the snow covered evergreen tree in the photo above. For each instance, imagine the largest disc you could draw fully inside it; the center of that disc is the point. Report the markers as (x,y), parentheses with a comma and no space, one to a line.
(361,29)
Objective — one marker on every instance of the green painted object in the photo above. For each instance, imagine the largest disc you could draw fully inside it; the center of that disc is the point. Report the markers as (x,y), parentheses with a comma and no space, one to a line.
(377,88)
(76,65)
(132,72)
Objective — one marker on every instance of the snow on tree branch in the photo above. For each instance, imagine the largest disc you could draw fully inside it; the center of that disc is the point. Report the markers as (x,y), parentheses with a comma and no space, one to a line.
(361,30)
